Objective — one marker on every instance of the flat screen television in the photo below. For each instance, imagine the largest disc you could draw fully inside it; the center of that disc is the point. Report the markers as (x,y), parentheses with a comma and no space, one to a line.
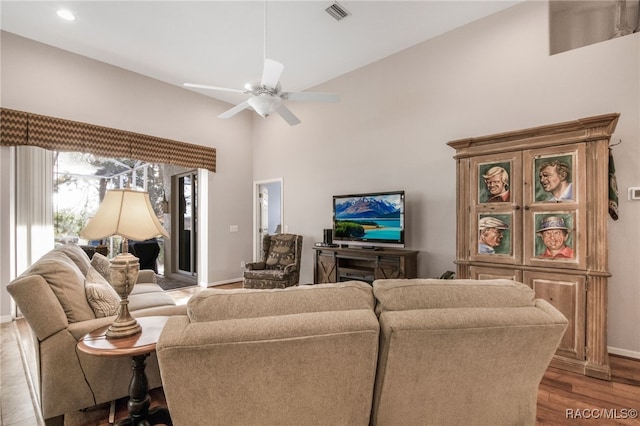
(373,219)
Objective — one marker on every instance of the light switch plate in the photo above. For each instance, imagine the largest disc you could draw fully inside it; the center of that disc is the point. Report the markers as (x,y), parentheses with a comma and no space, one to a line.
(634,193)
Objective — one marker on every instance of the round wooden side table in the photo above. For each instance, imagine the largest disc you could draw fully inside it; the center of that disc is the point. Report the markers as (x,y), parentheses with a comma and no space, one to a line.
(138,347)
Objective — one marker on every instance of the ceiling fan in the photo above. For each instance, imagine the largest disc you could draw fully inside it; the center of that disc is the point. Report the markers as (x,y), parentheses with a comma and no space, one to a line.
(267,96)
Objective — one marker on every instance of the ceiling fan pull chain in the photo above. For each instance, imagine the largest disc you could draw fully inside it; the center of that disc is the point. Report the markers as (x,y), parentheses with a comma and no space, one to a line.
(264,38)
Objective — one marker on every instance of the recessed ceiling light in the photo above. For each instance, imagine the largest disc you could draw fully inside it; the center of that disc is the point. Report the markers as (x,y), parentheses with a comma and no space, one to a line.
(67,15)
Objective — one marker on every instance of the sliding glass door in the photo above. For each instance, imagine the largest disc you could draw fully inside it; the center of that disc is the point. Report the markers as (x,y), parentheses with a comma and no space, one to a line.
(186,241)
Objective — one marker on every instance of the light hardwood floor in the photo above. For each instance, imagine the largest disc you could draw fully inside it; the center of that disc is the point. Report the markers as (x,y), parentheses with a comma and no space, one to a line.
(562,396)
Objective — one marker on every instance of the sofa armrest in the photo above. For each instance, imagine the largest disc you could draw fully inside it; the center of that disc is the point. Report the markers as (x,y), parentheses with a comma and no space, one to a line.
(39,305)
(147,276)
(255,266)
(79,329)
(552,311)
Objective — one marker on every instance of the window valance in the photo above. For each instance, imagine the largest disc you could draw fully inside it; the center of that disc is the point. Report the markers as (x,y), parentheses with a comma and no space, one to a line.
(23,128)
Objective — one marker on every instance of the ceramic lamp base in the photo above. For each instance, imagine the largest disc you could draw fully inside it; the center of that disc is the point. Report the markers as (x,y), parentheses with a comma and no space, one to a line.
(124,274)
(124,325)
(119,330)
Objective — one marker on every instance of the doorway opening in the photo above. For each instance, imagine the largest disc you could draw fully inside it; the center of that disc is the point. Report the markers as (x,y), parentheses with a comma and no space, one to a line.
(268,212)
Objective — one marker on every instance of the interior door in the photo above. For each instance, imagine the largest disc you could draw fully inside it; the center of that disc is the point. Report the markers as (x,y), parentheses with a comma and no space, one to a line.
(268,212)
(263,221)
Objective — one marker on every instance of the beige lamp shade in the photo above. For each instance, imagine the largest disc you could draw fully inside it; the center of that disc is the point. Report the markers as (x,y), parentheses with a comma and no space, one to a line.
(127,213)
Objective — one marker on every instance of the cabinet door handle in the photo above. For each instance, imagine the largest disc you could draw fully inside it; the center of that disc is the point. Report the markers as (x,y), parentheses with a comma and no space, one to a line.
(526,207)
(517,207)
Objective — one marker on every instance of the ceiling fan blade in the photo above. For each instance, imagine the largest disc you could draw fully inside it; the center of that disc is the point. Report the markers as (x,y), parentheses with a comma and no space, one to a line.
(287,115)
(310,96)
(236,109)
(271,73)
(204,86)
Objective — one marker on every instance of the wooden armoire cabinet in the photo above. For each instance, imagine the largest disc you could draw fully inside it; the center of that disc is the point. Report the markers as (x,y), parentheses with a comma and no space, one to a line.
(533,207)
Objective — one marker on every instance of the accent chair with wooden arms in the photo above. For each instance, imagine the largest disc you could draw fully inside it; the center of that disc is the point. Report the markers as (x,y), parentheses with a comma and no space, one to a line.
(280,264)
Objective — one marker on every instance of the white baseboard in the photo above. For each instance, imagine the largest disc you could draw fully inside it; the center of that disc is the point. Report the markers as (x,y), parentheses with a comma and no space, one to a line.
(230,281)
(624,352)
(5,318)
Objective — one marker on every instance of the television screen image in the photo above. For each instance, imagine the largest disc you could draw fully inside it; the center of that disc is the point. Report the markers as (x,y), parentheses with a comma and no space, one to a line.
(372,218)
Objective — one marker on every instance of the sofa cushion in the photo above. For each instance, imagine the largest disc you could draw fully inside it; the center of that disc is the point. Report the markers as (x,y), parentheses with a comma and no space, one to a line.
(406,294)
(144,287)
(77,255)
(146,276)
(150,299)
(102,298)
(102,265)
(216,305)
(67,282)
(148,295)
(266,274)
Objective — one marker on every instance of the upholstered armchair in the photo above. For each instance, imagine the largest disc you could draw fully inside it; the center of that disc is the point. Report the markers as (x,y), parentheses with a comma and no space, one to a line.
(280,264)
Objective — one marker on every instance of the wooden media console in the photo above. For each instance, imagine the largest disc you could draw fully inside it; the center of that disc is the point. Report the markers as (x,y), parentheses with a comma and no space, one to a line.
(334,264)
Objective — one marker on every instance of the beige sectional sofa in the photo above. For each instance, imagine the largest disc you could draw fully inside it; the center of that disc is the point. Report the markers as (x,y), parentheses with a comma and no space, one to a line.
(403,352)
(461,352)
(297,356)
(63,296)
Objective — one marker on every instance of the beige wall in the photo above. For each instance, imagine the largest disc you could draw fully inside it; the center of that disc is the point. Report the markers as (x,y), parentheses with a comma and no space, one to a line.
(44,80)
(391,127)
(388,132)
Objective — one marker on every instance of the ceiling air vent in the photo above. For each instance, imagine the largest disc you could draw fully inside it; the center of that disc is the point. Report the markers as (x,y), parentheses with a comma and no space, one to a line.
(337,12)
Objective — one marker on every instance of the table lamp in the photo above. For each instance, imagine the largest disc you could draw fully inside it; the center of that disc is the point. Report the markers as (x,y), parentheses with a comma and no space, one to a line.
(128,214)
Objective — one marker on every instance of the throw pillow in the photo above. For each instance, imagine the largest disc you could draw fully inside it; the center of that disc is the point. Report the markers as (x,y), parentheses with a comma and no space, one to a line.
(101,264)
(102,298)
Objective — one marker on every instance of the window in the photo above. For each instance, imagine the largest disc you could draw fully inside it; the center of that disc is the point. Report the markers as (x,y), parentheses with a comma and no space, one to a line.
(81,181)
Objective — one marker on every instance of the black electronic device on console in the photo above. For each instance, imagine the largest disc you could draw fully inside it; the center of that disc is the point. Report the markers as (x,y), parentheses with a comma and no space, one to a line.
(323,244)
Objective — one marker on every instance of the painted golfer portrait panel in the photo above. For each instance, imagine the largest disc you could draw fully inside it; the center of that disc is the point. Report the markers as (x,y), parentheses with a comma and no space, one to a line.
(494,234)
(493,182)
(553,179)
(554,236)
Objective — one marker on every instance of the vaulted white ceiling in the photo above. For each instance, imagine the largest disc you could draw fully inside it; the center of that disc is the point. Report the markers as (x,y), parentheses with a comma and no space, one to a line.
(222,43)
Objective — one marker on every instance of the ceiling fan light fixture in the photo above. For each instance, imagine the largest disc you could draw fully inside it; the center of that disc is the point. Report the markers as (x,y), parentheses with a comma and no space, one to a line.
(264,104)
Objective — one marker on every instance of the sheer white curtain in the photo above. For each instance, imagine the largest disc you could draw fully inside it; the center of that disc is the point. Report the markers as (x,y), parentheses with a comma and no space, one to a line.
(7,226)
(34,205)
